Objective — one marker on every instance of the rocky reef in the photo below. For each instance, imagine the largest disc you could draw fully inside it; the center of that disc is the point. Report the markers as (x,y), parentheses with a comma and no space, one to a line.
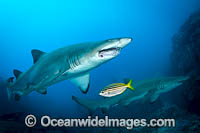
(185,59)
(185,122)
(185,56)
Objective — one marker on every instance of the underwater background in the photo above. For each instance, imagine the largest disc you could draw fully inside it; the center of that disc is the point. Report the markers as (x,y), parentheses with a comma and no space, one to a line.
(48,25)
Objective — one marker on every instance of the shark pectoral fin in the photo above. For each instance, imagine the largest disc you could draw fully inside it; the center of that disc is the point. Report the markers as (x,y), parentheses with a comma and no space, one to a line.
(17,73)
(42,91)
(149,96)
(82,82)
(36,55)
(126,104)
(115,105)
(154,97)
(87,103)
(123,103)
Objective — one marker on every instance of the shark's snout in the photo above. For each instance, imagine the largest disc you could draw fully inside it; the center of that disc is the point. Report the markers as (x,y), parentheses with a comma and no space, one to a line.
(124,41)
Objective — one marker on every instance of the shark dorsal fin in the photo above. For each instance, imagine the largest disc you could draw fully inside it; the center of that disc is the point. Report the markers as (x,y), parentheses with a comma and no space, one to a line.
(17,73)
(36,55)
(82,82)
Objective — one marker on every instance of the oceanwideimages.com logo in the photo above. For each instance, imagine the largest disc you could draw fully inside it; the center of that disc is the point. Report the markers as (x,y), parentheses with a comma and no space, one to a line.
(47,121)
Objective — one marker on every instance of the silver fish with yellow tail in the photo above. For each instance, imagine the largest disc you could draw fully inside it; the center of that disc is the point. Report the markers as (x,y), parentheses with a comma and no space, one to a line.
(115,89)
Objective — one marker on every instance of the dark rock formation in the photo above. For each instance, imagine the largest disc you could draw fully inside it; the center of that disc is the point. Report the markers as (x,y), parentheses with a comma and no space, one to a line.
(185,59)
(185,122)
(185,56)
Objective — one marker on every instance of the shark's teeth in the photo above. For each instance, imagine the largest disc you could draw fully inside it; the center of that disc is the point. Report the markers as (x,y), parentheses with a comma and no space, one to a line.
(109,52)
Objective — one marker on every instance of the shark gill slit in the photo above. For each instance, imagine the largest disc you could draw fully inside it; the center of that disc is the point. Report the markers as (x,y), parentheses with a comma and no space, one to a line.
(73,61)
(77,60)
(69,61)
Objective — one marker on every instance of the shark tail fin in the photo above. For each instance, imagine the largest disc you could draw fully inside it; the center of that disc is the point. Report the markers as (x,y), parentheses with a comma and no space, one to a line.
(129,85)
(9,91)
(10,94)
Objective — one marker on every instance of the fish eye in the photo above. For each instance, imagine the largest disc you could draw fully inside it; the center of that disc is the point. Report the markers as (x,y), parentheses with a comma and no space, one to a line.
(101,55)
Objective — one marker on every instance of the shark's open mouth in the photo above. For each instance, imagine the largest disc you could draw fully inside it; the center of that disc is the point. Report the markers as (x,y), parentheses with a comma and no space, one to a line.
(109,52)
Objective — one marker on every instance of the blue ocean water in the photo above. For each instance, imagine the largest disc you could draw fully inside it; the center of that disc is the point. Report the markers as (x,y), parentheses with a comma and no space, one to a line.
(50,24)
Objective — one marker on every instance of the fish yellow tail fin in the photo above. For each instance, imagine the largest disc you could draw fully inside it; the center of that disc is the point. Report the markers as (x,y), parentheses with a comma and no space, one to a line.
(129,85)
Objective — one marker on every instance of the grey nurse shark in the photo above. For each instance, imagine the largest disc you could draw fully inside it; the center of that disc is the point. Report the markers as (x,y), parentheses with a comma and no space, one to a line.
(72,62)
(145,90)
